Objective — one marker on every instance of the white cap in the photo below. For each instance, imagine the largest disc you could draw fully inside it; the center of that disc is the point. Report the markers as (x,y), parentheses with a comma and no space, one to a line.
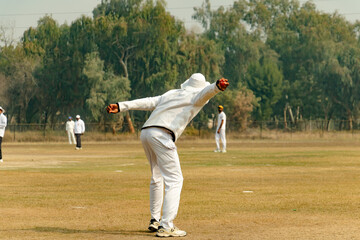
(77,116)
(2,109)
(196,81)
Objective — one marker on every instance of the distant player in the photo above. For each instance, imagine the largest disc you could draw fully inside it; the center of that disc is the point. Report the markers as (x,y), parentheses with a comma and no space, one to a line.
(79,130)
(3,123)
(220,130)
(70,125)
(172,112)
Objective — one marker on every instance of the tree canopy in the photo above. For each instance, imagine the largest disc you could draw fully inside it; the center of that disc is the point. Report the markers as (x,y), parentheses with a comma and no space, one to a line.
(276,54)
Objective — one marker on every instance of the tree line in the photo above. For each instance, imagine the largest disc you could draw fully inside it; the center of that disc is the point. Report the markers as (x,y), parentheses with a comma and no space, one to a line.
(285,61)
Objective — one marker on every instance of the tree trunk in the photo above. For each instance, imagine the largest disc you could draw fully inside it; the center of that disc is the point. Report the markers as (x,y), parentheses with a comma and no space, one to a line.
(128,120)
(127,117)
(244,123)
(291,115)
(297,114)
(350,119)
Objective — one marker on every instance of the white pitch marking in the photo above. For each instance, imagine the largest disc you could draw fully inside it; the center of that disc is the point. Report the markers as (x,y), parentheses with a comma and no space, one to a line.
(127,164)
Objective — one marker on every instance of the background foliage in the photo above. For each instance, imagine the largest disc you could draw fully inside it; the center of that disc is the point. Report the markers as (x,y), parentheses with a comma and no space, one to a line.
(284,60)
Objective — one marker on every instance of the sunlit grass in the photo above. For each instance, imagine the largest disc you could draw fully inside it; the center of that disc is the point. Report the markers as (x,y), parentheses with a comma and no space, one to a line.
(259,189)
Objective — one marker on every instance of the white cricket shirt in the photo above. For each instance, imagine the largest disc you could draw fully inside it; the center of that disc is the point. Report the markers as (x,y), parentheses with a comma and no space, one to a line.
(221,116)
(3,124)
(70,125)
(79,127)
(174,109)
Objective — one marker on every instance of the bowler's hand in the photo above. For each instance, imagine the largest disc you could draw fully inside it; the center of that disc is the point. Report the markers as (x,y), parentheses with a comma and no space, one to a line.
(222,84)
(112,108)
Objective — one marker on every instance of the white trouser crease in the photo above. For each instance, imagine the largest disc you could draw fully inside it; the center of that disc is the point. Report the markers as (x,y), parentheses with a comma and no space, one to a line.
(218,137)
(164,161)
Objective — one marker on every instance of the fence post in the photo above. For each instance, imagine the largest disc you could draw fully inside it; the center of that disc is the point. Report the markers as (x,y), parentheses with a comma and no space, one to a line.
(44,132)
(14,132)
(105,129)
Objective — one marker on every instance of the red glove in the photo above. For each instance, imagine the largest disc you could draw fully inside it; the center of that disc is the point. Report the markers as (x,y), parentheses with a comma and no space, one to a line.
(222,84)
(113,108)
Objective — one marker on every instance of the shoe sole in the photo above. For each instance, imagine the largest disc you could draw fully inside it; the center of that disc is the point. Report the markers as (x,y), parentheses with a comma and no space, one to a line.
(169,235)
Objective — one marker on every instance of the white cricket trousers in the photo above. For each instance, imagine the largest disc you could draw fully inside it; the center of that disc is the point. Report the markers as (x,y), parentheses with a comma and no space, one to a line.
(220,136)
(164,161)
(71,136)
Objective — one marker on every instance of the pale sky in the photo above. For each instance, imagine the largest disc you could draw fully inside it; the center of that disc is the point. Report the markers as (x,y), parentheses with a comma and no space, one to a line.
(21,14)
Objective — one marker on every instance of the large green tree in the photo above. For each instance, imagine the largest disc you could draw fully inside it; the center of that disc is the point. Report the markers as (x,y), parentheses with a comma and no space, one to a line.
(264,78)
(284,52)
(311,46)
(248,61)
(105,86)
(19,84)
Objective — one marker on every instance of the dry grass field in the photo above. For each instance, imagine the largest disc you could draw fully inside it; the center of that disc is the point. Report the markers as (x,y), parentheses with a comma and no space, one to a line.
(259,189)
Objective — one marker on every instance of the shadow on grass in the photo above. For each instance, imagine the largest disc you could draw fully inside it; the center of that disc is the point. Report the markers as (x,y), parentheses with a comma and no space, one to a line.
(96,231)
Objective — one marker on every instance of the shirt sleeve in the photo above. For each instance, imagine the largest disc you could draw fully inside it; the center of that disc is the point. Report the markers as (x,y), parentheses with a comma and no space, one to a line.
(147,104)
(206,94)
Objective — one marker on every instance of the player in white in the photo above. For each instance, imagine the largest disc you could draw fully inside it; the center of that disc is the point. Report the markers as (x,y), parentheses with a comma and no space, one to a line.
(3,123)
(220,130)
(79,130)
(172,112)
(70,125)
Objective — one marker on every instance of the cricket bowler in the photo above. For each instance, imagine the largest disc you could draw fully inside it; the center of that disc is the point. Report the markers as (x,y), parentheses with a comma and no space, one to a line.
(171,112)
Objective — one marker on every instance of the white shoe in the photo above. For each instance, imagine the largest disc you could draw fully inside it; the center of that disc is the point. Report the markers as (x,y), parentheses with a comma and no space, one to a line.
(217,150)
(223,151)
(77,148)
(170,232)
(1,160)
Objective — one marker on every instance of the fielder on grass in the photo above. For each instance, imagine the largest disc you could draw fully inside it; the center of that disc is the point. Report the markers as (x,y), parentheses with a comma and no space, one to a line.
(3,123)
(220,130)
(172,112)
(69,128)
(79,130)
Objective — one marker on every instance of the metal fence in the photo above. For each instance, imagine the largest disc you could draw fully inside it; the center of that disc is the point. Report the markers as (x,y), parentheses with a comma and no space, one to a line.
(113,131)
(308,125)
(56,132)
